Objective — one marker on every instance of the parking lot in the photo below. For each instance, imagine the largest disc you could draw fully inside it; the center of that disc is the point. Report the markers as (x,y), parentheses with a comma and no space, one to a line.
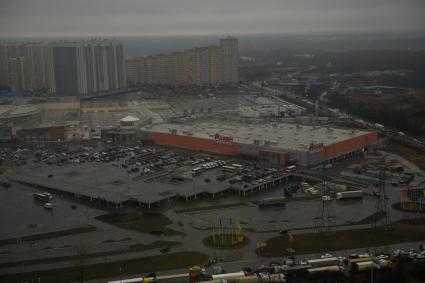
(139,175)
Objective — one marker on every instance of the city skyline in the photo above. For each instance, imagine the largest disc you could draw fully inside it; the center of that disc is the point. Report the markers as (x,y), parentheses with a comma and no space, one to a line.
(189,17)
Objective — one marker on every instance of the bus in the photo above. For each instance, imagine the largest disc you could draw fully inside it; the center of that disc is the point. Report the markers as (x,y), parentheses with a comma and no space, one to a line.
(196,171)
(291,168)
(237,166)
(228,168)
(44,197)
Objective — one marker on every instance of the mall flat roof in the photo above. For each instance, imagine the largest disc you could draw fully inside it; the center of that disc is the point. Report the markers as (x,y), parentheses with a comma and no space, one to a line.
(277,135)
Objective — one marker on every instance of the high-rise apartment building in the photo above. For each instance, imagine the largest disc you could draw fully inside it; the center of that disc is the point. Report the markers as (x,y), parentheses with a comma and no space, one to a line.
(86,67)
(17,74)
(4,66)
(64,68)
(34,59)
(133,72)
(211,65)
(37,66)
(229,60)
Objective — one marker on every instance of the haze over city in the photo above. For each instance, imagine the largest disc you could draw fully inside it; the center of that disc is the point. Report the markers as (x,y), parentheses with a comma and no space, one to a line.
(171,141)
(49,18)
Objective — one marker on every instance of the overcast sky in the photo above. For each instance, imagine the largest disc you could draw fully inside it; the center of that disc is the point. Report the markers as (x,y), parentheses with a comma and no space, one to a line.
(205,17)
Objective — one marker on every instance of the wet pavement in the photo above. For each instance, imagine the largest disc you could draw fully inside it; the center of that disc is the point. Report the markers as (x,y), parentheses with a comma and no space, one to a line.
(19,211)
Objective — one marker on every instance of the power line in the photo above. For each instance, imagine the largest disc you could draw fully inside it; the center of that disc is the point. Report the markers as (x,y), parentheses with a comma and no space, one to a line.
(325,219)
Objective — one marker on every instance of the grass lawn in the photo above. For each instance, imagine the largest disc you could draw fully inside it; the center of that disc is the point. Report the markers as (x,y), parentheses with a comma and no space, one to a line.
(211,207)
(49,235)
(132,248)
(348,239)
(110,269)
(226,241)
(148,223)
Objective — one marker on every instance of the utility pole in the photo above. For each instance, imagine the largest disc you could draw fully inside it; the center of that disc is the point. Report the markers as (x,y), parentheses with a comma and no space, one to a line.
(382,209)
(325,219)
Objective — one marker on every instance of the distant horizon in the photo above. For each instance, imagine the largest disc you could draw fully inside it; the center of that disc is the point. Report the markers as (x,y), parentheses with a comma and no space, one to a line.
(138,46)
(222,35)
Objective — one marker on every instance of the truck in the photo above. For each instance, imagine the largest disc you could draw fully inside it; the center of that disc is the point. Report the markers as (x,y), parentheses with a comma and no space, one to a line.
(379,126)
(353,261)
(297,270)
(383,263)
(261,278)
(228,276)
(330,268)
(349,195)
(365,265)
(319,262)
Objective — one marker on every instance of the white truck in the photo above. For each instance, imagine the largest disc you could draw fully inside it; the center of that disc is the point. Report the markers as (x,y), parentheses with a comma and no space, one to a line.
(319,262)
(261,278)
(379,126)
(349,195)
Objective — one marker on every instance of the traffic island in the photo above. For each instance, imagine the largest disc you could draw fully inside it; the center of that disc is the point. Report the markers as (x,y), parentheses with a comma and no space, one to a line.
(226,241)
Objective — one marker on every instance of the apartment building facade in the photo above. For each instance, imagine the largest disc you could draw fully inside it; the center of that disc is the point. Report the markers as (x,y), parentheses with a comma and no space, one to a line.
(211,65)
(86,67)
(63,68)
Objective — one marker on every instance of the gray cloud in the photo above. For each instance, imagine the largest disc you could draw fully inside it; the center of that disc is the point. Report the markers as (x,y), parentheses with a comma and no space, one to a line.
(183,17)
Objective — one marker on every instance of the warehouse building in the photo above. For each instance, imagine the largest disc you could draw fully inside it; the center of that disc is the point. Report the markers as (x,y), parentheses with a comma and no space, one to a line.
(276,144)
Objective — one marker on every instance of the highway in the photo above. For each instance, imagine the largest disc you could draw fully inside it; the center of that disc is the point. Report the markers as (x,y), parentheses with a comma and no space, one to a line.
(179,276)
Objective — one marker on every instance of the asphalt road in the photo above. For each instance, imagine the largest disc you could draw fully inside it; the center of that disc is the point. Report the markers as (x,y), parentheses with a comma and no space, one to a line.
(21,210)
